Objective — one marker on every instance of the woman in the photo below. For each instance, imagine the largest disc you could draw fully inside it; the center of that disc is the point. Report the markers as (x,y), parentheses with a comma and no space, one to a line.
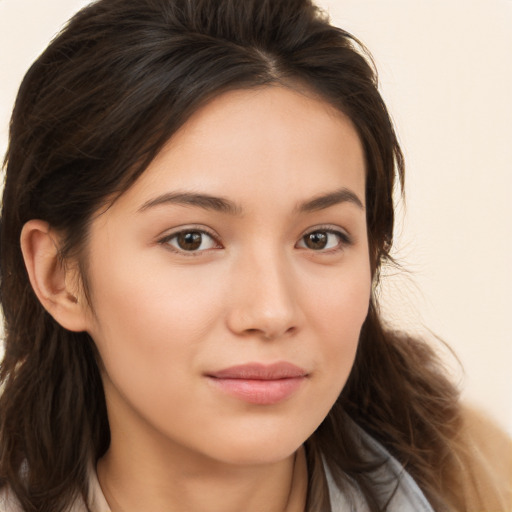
(202,193)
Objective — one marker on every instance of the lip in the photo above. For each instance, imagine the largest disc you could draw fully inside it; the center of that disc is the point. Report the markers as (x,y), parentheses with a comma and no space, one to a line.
(258,383)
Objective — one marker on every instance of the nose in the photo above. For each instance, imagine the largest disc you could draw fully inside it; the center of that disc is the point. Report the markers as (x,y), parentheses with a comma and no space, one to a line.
(264,300)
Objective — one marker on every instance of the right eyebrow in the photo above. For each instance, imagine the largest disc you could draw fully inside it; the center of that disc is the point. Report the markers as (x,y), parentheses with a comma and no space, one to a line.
(322,202)
(205,201)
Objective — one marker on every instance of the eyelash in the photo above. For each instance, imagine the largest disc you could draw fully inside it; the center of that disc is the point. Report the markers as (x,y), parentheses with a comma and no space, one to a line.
(344,240)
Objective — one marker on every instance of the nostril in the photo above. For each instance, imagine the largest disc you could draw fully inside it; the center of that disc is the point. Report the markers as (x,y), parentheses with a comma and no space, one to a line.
(270,335)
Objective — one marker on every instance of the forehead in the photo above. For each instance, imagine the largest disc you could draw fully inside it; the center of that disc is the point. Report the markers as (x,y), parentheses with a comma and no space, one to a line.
(264,142)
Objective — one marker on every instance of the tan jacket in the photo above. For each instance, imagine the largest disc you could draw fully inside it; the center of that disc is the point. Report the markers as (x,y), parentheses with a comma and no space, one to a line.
(485,466)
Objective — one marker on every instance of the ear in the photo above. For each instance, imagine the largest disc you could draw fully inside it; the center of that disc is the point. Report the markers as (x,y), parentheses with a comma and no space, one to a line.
(55,285)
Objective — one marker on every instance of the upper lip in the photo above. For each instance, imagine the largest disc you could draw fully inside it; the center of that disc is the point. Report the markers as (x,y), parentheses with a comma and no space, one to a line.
(259,371)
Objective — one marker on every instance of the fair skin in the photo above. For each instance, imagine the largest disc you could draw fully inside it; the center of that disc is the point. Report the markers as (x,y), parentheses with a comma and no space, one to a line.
(275,269)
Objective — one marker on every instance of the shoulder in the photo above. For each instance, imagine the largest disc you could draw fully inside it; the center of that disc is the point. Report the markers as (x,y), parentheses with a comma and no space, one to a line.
(8,502)
(485,454)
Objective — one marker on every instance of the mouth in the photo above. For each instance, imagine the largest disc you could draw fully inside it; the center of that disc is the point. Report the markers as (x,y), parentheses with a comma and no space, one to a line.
(259,384)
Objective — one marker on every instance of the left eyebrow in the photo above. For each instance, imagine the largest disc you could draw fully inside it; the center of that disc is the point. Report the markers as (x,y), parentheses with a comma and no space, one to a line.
(343,195)
(204,201)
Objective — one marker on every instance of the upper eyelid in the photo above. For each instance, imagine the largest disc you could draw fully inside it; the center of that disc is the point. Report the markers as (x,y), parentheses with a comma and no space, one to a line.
(166,235)
(329,228)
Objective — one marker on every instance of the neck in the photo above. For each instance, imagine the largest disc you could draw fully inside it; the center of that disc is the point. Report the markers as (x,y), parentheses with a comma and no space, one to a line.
(132,484)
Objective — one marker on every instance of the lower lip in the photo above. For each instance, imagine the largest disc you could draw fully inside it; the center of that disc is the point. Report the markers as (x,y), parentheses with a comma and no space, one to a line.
(261,392)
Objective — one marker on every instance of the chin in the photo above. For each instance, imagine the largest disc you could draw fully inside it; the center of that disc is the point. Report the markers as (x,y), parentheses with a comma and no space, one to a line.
(258,445)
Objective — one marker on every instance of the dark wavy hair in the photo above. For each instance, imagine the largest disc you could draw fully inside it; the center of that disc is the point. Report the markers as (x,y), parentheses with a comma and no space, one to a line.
(92,112)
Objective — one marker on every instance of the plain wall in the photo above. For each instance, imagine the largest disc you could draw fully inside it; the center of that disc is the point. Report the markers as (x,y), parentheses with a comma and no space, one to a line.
(446,75)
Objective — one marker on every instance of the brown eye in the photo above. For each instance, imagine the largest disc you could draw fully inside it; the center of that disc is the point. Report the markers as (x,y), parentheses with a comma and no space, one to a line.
(324,239)
(190,241)
(316,241)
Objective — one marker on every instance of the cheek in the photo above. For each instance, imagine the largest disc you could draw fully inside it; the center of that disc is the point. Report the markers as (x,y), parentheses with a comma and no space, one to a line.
(150,303)
(150,332)
(150,326)
(339,303)
(338,314)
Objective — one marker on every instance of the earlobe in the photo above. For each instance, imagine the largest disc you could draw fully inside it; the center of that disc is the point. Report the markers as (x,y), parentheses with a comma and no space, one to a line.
(54,285)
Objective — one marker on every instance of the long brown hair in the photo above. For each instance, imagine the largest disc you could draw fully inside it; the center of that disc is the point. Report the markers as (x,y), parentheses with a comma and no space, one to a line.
(91,114)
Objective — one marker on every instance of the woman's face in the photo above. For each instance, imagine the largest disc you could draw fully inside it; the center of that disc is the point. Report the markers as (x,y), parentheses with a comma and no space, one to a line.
(229,284)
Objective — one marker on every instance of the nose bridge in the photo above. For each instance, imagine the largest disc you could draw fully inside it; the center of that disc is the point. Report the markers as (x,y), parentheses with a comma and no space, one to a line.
(265,301)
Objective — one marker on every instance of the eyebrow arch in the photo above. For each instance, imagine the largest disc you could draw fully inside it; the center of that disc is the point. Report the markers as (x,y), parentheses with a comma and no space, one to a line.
(204,201)
(343,195)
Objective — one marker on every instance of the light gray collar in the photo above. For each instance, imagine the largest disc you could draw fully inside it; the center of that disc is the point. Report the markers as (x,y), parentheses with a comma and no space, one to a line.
(396,482)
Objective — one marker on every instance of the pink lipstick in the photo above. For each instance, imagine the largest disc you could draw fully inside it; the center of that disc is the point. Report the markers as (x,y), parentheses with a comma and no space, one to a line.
(260,384)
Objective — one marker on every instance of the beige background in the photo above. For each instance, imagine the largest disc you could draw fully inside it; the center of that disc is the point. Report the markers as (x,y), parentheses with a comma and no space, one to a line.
(446,74)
